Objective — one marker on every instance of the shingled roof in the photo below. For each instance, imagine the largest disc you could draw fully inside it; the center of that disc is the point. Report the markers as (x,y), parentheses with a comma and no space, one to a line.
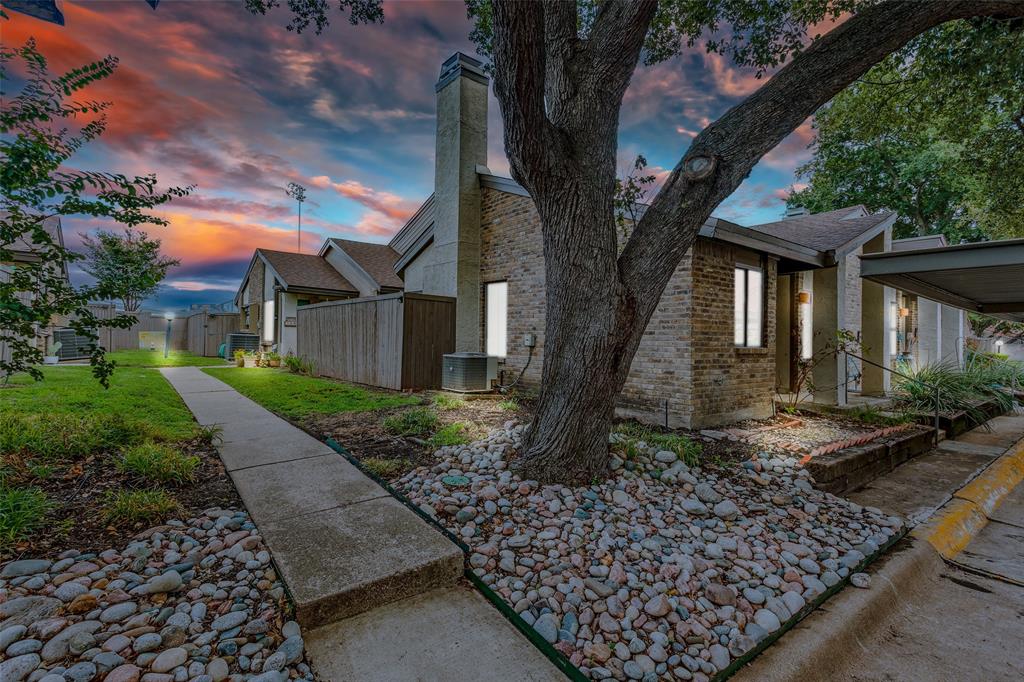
(826,231)
(378,260)
(306,271)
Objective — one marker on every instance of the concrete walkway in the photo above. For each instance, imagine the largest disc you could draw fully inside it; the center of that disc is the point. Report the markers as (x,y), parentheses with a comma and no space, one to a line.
(917,488)
(376,584)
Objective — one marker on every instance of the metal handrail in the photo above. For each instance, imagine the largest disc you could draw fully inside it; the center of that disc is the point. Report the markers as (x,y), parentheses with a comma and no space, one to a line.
(934,387)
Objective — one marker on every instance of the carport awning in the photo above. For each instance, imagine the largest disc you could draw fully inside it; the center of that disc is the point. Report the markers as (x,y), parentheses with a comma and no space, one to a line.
(987,277)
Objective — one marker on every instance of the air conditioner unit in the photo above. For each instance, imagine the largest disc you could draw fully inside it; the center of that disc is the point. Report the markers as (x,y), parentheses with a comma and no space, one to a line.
(468,372)
(240,341)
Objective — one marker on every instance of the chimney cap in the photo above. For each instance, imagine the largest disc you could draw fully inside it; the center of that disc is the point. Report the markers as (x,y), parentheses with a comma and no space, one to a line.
(795,211)
(461,64)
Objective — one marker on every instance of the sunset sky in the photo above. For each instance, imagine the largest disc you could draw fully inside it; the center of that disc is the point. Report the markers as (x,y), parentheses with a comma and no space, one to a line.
(207,94)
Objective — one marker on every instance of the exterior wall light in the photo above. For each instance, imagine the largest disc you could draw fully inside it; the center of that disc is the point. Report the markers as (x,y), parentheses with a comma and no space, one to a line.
(904,312)
(804,297)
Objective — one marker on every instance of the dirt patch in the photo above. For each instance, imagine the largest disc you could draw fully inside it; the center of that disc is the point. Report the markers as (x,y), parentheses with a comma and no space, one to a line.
(77,493)
(364,435)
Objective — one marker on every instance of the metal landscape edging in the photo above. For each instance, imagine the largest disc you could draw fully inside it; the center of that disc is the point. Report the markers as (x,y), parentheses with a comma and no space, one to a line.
(557,658)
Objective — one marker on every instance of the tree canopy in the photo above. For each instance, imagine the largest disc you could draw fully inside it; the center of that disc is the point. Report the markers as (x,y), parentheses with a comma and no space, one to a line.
(935,132)
(127,265)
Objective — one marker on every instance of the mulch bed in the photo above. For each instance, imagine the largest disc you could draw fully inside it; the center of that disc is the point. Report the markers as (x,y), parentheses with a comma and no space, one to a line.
(76,491)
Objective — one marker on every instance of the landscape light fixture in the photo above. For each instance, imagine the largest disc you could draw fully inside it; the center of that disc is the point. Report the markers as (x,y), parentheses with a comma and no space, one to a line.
(297,192)
(169,316)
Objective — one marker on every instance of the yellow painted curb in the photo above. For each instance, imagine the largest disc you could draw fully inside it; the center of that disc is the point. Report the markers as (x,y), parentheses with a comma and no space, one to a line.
(967,513)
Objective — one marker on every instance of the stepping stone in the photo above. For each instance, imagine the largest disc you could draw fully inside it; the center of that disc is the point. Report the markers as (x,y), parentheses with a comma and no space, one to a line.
(221,407)
(188,380)
(343,561)
(288,445)
(280,491)
(450,634)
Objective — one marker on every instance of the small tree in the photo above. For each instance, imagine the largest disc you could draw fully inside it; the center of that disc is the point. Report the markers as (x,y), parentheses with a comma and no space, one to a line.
(39,184)
(129,266)
(842,341)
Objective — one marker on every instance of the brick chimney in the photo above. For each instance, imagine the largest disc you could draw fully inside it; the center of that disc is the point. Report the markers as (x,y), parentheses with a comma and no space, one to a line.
(461,145)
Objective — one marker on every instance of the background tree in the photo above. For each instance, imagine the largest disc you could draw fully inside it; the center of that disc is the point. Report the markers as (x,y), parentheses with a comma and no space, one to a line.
(129,265)
(37,182)
(560,72)
(935,132)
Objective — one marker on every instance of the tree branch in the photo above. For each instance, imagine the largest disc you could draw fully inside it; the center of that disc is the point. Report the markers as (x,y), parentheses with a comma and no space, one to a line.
(727,150)
(519,71)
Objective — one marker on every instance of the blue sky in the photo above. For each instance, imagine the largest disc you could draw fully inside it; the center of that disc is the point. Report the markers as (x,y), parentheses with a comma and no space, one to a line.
(207,94)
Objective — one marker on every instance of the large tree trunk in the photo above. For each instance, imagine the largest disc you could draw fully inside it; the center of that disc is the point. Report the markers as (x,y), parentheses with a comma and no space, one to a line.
(560,97)
(589,342)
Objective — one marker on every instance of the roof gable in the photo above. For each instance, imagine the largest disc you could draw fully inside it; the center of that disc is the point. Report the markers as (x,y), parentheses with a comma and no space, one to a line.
(828,231)
(376,260)
(305,271)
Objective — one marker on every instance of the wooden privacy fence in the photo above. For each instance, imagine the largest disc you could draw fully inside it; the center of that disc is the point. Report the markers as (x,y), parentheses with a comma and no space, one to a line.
(206,331)
(392,341)
(128,339)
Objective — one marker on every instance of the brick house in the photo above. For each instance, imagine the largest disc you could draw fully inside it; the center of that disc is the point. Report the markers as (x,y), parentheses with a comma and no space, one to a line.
(709,353)
(744,306)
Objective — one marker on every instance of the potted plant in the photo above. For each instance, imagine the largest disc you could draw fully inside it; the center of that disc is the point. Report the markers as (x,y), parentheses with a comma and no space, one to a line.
(272,360)
(251,360)
(240,358)
(51,357)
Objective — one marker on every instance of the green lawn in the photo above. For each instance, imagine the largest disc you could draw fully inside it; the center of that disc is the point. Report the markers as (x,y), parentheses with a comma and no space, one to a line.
(149,358)
(297,396)
(139,395)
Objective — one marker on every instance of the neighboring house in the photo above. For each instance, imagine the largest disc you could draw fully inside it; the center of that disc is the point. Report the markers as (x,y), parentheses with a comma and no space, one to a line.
(278,282)
(926,331)
(814,303)
(26,251)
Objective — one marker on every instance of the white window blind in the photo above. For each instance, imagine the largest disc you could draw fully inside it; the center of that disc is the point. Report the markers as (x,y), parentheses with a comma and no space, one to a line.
(749,310)
(496,298)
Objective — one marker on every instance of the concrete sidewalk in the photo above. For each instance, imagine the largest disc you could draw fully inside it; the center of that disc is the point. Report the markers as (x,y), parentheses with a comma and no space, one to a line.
(345,547)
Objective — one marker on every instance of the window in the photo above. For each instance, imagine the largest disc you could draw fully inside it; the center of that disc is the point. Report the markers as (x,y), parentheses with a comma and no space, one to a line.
(496,300)
(749,311)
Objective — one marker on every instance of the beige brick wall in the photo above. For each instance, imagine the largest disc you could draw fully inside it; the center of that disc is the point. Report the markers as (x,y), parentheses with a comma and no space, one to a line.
(687,356)
(729,383)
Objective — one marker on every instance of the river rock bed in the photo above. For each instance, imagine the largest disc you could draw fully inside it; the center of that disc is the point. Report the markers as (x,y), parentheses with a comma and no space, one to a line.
(185,601)
(662,572)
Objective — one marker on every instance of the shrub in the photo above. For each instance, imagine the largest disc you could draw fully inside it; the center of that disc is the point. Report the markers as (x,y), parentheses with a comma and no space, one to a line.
(22,510)
(66,435)
(297,365)
(446,401)
(509,405)
(159,463)
(959,389)
(212,434)
(452,434)
(686,449)
(381,468)
(133,506)
(420,421)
